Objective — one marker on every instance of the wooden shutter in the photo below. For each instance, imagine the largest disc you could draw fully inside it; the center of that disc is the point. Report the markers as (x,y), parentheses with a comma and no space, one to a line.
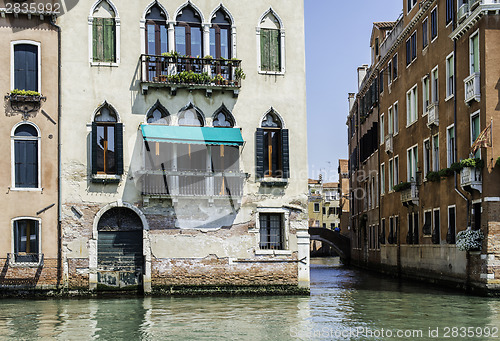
(109,40)
(26,164)
(119,148)
(259,153)
(26,67)
(94,148)
(265,58)
(275,50)
(285,153)
(98,39)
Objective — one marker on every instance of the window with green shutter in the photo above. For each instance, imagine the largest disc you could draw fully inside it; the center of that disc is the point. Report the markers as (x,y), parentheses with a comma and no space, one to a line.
(104,40)
(270,50)
(272,149)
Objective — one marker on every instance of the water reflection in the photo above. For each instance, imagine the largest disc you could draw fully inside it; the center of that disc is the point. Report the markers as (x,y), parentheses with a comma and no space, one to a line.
(342,300)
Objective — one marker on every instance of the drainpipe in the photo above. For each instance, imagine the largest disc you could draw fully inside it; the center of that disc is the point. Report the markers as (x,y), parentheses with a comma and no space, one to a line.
(59,227)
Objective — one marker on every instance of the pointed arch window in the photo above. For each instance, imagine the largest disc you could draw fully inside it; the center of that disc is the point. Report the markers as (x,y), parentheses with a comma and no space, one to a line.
(190,117)
(272,148)
(26,149)
(271,43)
(107,143)
(224,158)
(158,115)
(104,33)
(188,33)
(220,36)
(156,31)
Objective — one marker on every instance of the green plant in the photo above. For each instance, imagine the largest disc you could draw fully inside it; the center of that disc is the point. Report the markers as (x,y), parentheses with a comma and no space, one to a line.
(470,162)
(433,176)
(239,74)
(209,57)
(456,167)
(24,92)
(445,172)
(173,54)
(498,162)
(402,186)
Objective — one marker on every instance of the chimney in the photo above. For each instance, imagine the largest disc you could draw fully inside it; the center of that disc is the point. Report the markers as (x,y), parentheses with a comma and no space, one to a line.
(351,98)
(320,178)
(361,74)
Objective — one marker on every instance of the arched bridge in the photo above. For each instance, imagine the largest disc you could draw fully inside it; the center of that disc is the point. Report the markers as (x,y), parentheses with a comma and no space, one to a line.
(341,244)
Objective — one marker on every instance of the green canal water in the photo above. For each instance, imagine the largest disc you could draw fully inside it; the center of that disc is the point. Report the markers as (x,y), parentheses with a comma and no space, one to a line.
(345,304)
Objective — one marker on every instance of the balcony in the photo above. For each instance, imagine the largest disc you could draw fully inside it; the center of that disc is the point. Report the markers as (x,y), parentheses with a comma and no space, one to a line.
(25,101)
(410,196)
(471,177)
(433,114)
(463,12)
(192,184)
(389,144)
(472,88)
(174,73)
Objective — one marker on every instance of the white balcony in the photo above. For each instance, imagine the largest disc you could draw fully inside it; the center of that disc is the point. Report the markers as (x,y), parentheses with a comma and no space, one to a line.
(472,88)
(471,177)
(389,144)
(463,12)
(410,196)
(433,114)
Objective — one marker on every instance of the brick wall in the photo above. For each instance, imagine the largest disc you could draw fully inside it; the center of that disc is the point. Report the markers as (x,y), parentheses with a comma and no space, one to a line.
(23,277)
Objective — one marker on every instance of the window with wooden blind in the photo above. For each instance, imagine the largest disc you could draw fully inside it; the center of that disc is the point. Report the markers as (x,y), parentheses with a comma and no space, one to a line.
(270,50)
(107,143)
(26,240)
(272,149)
(104,40)
(26,157)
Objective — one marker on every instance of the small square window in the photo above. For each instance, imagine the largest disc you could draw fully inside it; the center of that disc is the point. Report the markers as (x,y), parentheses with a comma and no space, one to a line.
(271,231)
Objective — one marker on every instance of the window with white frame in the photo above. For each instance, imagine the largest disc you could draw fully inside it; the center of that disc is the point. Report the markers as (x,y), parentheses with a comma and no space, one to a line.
(435,153)
(411,106)
(105,26)
(434,23)
(475,130)
(272,234)
(25,144)
(434,85)
(396,118)
(450,75)
(26,65)
(436,233)
(450,145)
(395,67)
(474,52)
(390,121)
(411,48)
(271,43)
(389,72)
(427,227)
(449,11)
(396,170)
(412,163)
(425,94)
(411,4)
(382,179)
(316,207)
(382,128)
(425,33)
(427,157)
(391,175)
(26,240)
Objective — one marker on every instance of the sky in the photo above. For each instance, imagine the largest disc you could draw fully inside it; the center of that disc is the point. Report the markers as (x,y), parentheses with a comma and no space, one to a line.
(337,42)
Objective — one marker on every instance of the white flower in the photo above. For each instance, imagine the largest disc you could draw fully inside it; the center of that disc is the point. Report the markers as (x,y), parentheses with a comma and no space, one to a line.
(470,239)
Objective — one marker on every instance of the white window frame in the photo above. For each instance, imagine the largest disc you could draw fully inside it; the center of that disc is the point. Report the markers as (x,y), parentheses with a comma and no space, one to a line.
(390,121)
(382,178)
(434,221)
(382,129)
(117,34)
(450,155)
(450,92)
(314,207)
(389,74)
(423,21)
(448,222)
(434,89)
(409,113)
(39,55)
(282,43)
(427,158)
(391,175)
(425,94)
(413,3)
(397,68)
(435,166)
(423,218)
(437,24)
(13,158)
(472,116)
(395,113)
(286,227)
(471,52)
(396,170)
(412,163)
(12,261)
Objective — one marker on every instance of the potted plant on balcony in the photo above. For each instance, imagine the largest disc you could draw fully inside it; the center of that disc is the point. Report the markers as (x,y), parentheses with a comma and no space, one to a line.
(445,172)
(219,79)
(433,176)
(402,186)
(470,240)
(238,75)
(24,96)
(472,163)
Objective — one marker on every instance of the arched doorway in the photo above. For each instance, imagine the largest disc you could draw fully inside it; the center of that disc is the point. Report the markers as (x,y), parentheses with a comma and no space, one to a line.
(120,260)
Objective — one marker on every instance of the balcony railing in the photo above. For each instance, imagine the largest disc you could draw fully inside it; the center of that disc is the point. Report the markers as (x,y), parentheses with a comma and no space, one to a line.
(433,114)
(389,143)
(181,72)
(472,87)
(192,184)
(463,12)
(410,196)
(470,177)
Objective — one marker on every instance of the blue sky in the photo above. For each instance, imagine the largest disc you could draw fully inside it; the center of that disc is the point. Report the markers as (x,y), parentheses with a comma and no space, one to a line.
(337,42)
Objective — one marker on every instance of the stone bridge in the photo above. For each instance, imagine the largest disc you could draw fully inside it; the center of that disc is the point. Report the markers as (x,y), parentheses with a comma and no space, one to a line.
(341,244)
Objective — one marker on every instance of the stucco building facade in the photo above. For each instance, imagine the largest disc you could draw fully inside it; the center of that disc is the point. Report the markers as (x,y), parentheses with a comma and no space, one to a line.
(183,145)
(434,75)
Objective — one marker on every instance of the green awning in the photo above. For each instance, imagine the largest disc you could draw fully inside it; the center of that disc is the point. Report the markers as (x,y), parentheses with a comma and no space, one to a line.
(192,135)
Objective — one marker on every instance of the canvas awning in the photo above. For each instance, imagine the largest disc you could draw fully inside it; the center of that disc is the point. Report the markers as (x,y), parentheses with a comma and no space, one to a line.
(192,135)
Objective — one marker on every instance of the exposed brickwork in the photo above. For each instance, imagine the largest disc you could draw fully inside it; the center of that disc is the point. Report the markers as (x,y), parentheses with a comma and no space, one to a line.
(78,273)
(213,271)
(44,276)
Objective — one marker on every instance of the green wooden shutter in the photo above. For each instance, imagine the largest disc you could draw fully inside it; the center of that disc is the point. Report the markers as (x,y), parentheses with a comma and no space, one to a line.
(265,50)
(275,50)
(98,39)
(285,153)
(259,153)
(119,148)
(94,148)
(109,44)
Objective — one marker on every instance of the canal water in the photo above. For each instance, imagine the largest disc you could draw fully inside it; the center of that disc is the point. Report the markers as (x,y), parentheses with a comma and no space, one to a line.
(345,304)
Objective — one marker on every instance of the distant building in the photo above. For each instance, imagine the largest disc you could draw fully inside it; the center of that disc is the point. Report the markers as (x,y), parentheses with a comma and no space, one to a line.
(344,193)
(430,92)
(324,204)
